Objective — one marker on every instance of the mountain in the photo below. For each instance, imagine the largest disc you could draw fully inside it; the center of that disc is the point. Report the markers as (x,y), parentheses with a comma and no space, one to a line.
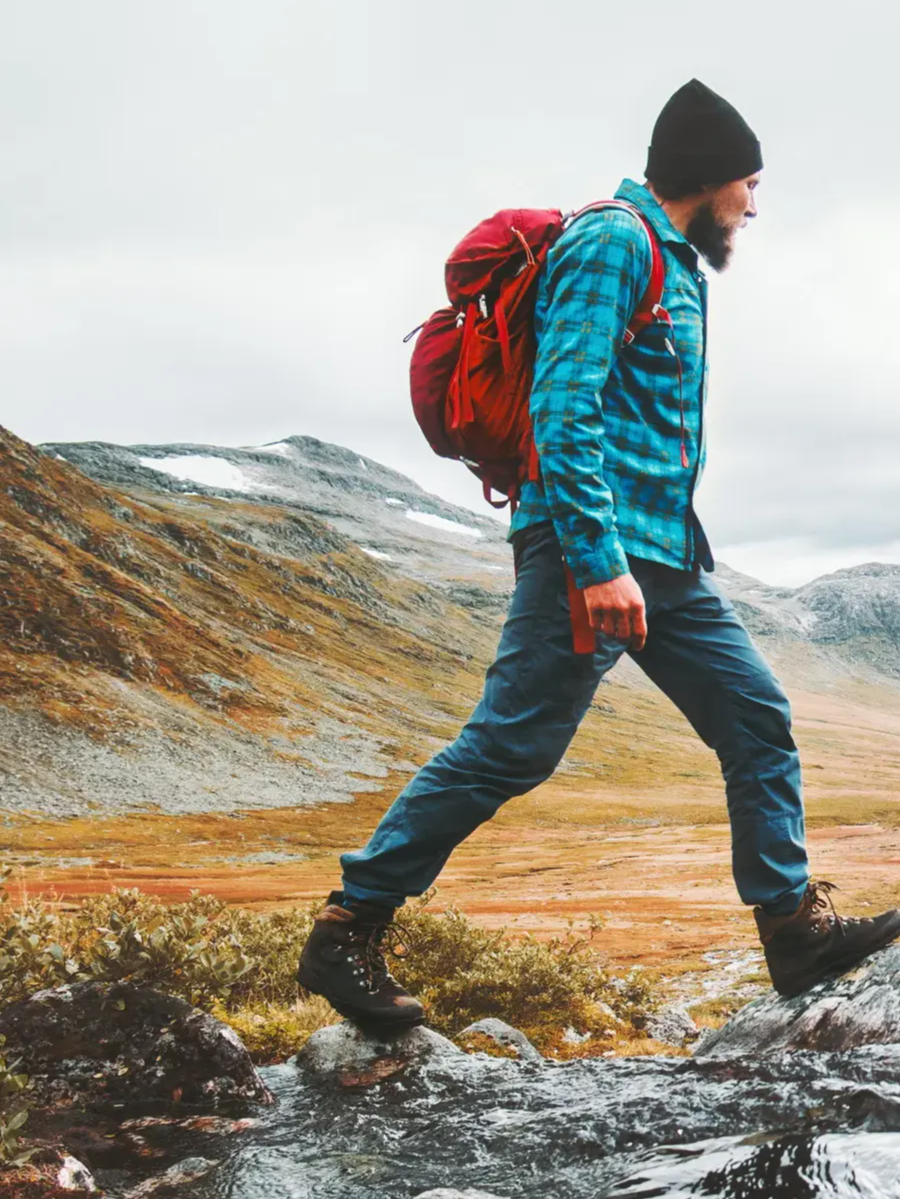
(383,512)
(854,611)
(201,628)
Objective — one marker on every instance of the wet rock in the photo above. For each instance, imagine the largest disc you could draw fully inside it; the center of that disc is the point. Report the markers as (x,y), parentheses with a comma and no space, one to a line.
(475,1122)
(857,1008)
(213,1125)
(672,1026)
(356,1059)
(849,1166)
(125,1044)
(172,1180)
(453,1193)
(505,1035)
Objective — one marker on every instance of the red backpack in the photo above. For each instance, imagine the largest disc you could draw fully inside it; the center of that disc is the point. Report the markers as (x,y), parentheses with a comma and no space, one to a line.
(471,369)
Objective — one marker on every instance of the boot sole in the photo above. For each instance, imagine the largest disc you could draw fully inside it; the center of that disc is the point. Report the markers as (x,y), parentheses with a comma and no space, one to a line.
(365,1021)
(842,966)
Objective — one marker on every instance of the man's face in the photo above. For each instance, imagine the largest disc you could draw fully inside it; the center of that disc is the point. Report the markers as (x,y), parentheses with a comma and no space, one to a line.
(726,209)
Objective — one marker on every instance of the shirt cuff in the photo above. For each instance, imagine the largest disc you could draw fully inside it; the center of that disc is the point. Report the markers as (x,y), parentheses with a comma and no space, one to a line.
(606,561)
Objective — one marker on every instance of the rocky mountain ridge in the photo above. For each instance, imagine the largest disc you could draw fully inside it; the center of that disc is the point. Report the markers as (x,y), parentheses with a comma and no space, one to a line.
(854,610)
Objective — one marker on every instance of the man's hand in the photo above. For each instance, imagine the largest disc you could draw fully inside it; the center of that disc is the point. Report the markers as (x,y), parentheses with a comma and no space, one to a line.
(617,609)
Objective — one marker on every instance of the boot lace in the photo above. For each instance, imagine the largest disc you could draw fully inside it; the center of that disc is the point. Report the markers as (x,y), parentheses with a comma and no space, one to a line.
(821,900)
(372,942)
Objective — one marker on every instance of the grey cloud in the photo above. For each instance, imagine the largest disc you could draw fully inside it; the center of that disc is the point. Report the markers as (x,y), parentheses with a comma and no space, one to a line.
(219,221)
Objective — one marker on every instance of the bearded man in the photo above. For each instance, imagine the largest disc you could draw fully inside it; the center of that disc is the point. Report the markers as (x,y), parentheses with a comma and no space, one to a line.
(619,431)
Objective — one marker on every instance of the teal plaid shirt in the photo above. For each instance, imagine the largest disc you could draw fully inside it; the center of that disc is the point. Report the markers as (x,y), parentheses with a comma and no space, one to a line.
(606,416)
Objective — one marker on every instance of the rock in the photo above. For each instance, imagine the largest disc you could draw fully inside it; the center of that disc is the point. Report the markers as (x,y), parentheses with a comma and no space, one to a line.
(606,1010)
(547,1130)
(358,1059)
(453,1193)
(672,1026)
(857,1008)
(571,1037)
(74,1176)
(505,1035)
(174,1178)
(125,1044)
(52,1174)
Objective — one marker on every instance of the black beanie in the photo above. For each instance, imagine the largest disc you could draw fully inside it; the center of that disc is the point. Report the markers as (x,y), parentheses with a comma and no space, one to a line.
(700,138)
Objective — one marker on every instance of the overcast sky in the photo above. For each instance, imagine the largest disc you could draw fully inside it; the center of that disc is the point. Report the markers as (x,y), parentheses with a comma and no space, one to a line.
(220,218)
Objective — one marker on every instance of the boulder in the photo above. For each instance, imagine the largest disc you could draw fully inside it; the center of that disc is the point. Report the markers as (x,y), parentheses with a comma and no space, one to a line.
(672,1026)
(123,1044)
(506,1036)
(853,1009)
(355,1058)
(172,1181)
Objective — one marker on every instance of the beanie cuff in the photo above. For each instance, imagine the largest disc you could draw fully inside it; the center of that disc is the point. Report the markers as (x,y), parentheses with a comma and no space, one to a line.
(666,163)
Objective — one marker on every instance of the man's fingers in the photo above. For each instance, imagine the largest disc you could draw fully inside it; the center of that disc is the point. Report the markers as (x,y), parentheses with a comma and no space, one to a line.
(639,628)
(616,609)
(623,626)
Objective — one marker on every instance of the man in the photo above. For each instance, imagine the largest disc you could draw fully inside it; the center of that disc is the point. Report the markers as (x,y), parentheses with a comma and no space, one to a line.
(619,434)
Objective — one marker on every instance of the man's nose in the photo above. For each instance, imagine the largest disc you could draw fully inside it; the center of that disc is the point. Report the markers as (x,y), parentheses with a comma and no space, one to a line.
(751,210)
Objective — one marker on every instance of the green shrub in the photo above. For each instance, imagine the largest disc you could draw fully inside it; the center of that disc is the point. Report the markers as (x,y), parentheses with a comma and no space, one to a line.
(12,1085)
(241,965)
(462,973)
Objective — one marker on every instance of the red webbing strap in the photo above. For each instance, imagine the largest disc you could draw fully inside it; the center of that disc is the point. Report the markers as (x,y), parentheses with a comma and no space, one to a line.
(649,308)
(462,411)
(486,492)
(534,465)
(503,336)
(583,633)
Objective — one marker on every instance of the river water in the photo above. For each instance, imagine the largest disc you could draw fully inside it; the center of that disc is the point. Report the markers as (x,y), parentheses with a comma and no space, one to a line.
(789,1126)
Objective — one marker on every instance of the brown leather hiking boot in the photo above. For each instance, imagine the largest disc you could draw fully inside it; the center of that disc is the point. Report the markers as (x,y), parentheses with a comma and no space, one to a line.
(343,960)
(805,947)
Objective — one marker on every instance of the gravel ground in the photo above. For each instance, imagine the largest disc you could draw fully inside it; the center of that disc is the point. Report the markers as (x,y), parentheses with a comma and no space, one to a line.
(55,771)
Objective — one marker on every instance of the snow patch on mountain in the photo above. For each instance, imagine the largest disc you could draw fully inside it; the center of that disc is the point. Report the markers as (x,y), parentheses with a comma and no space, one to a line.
(210,472)
(441,522)
(376,554)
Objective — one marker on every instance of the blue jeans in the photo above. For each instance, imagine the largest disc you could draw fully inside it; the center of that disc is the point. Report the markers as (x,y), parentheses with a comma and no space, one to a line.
(537,691)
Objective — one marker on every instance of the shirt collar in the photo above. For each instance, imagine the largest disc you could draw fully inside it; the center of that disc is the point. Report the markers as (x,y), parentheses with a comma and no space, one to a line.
(638,195)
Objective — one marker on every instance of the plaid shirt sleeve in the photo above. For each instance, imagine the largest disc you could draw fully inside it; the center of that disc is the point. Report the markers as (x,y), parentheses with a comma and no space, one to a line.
(596,276)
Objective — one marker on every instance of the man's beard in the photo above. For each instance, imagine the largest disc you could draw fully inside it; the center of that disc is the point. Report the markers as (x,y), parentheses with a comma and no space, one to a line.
(710,238)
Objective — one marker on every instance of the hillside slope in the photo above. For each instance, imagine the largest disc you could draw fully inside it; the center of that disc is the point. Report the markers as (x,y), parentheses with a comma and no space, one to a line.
(163,653)
(287,625)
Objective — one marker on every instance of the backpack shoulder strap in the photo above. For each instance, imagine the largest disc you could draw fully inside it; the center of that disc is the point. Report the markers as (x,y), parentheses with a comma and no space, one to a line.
(649,308)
